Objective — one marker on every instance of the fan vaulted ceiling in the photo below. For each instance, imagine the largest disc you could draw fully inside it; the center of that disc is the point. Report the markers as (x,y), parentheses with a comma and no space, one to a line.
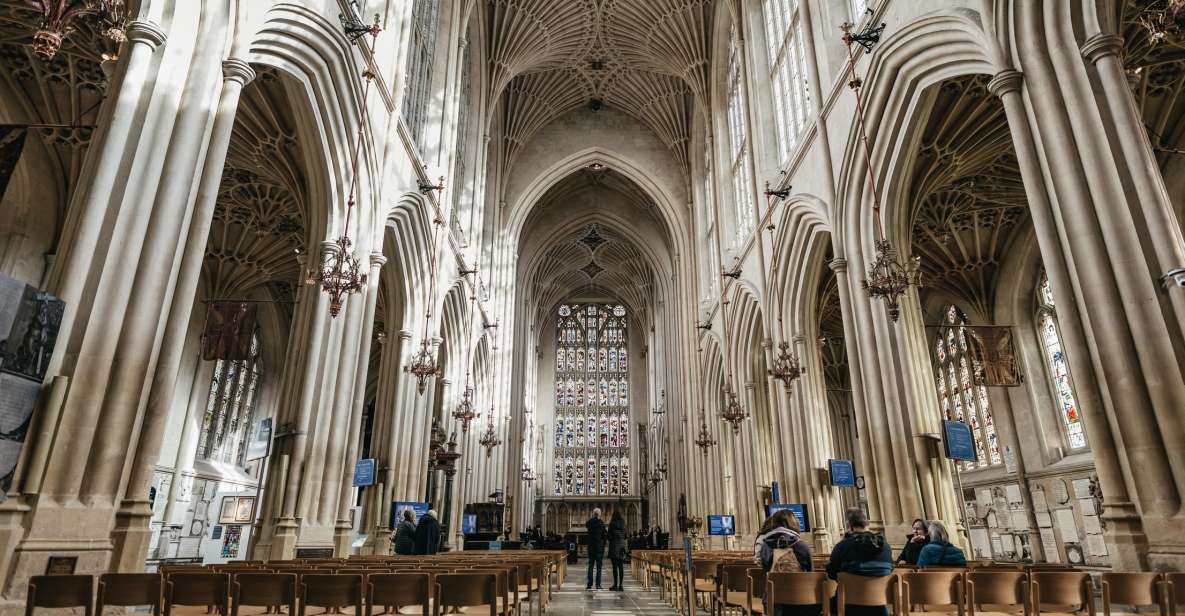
(647,58)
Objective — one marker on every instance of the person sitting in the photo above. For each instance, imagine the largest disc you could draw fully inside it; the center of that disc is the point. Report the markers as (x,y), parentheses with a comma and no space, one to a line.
(860,552)
(914,543)
(940,552)
(780,549)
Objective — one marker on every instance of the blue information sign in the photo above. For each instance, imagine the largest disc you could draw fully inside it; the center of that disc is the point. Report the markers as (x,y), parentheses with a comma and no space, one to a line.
(722,525)
(469,523)
(364,472)
(958,440)
(417,509)
(775,491)
(798,509)
(842,472)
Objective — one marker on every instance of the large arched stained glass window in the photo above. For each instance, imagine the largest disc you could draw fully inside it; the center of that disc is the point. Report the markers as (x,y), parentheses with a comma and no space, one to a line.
(1059,369)
(230,409)
(592,400)
(959,396)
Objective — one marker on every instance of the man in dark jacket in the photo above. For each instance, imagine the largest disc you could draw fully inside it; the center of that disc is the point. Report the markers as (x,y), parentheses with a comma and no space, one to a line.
(405,533)
(596,547)
(862,553)
(428,534)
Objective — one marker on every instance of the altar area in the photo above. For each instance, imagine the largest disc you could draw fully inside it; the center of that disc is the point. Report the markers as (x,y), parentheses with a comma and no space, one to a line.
(567,514)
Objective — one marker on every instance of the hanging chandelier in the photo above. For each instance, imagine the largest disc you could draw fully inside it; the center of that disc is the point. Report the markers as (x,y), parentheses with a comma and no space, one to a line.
(1162,18)
(423,365)
(464,411)
(887,279)
(704,440)
(733,412)
(489,439)
(787,367)
(58,18)
(340,273)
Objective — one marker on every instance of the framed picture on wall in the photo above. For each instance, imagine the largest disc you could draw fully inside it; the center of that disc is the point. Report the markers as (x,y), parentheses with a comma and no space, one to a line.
(226,515)
(245,509)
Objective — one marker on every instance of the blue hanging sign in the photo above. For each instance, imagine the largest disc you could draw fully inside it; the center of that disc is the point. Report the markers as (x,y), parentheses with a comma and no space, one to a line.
(397,507)
(843,473)
(364,471)
(958,441)
(798,509)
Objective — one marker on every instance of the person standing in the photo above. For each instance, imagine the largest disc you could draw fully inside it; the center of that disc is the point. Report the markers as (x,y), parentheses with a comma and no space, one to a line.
(428,534)
(596,547)
(617,550)
(405,534)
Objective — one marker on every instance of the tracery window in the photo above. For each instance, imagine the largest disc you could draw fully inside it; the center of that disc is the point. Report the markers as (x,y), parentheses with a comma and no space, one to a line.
(787,72)
(459,149)
(592,400)
(958,395)
(738,138)
(1059,368)
(230,409)
(420,55)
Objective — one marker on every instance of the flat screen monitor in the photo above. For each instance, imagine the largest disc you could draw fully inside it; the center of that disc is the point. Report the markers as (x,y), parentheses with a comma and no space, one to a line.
(722,525)
(798,509)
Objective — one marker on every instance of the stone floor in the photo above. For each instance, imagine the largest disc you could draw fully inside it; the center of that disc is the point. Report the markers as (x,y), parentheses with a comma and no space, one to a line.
(573,600)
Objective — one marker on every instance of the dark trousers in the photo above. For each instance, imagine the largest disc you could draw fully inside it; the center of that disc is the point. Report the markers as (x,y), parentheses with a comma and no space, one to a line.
(595,559)
(618,571)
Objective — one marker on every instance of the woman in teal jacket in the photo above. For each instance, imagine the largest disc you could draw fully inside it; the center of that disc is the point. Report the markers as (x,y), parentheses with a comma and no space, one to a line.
(940,552)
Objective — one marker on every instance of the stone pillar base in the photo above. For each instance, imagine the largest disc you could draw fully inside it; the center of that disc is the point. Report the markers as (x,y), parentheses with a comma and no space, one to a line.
(131,536)
(284,536)
(343,539)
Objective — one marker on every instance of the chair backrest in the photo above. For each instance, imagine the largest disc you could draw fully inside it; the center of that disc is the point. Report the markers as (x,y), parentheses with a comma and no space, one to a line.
(194,588)
(867,590)
(399,589)
(933,588)
(735,578)
(60,591)
(994,587)
(803,588)
(330,590)
(465,590)
(264,589)
(126,589)
(704,569)
(757,577)
(1060,588)
(1131,588)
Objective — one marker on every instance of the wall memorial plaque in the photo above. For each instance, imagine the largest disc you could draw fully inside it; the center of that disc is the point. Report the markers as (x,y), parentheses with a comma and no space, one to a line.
(61,565)
(314,552)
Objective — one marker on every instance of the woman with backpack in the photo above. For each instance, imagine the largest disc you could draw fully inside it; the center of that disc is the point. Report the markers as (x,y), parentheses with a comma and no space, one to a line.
(779,549)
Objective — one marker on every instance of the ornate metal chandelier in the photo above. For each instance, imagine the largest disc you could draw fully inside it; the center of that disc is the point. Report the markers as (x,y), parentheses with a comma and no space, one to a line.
(733,412)
(423,365)
(704,439)
(340,273)
(887,278)
(59,16)
(464,412)
(1163,18)
(787,367)
(489,438)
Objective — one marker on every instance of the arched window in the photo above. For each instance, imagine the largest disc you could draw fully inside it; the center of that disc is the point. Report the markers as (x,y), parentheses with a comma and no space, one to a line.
(787,72)
(738,139)
(460,171)
(1059,369)
(592,401)
(420,56)
(959,396)
(230,409)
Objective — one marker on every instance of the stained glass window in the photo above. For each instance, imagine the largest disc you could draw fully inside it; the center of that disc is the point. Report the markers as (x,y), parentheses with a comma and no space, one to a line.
(787,71)
(959,397)
(1059,369)
(592,400)
(738,137)
(230,409)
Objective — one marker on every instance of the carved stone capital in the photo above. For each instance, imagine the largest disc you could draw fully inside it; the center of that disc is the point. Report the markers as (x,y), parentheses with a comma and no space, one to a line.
(145,32)
(1006,81)
(234,69)
(767,344)
(1102,45)
(377,259)
(838,265)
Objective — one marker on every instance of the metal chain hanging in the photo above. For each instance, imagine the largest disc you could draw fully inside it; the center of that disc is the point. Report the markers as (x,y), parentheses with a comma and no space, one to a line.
(423,365)
(733,412)
(489,439)
(887,278)
(464,412)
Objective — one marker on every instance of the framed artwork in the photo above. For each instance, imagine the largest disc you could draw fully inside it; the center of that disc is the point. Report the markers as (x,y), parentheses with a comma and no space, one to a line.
(245,509)
(226,515)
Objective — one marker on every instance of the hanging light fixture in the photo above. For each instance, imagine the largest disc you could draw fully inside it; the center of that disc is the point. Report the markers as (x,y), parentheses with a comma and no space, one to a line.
(704,440)
(464,412)
(887,278)
(733,412)
(423,364)
(787,367)
(489,439)
(58,19)
(340,273)
(1162,18)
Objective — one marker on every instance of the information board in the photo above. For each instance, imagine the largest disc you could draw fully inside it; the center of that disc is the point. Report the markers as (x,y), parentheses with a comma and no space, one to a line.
(417,509)
(958,441)
(261,440)
(364,471)
(722,525)
(843,473)
(798,509)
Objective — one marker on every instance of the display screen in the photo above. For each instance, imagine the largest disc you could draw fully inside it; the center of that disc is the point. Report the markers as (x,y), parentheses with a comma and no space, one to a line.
(723,525)
(798,509)
(397,507)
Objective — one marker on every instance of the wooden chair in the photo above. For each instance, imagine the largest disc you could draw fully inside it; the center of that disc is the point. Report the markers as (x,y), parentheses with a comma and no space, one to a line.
(1173,586)
(330,591)
(868,591)
(806,588)
(197,588)
(506,587)
(704,572)
(403,591)
(1063,591)
(930,589)
(1005,592)
(128,589)
(457,591)
(755,593)
(1135,589)
(732,589)
(263,589)
(58,591)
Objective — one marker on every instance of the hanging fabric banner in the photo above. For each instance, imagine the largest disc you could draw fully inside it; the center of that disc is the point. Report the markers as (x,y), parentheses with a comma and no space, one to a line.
(229,330)
(994,355)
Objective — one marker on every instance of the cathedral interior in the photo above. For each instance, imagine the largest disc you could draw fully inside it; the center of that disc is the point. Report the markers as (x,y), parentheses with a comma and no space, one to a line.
(303,267)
